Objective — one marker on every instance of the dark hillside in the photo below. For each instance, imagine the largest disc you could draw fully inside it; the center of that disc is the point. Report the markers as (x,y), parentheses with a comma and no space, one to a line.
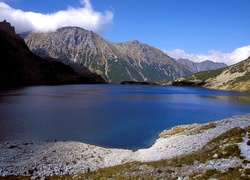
(20,67)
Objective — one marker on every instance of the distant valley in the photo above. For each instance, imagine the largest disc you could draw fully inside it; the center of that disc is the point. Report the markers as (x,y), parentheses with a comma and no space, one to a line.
(201,66)
(235,77)
(115,62)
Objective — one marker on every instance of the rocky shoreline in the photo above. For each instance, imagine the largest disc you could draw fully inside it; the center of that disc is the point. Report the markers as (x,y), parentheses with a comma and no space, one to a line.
(41,159)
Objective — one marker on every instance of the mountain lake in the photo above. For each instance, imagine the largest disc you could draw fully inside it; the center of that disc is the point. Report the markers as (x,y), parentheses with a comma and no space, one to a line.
(109,115)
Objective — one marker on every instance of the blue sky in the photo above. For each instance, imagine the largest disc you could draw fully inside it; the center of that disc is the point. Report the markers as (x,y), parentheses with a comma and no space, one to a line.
(194,29)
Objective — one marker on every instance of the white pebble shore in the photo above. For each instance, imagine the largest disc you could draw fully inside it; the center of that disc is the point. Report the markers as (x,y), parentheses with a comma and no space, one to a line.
(40,159)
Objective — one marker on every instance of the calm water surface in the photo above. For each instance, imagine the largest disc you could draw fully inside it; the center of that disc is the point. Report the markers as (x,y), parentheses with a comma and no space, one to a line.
(120,116)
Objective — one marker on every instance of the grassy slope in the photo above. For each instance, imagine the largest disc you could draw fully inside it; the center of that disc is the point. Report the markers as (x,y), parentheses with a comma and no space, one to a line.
(235,77)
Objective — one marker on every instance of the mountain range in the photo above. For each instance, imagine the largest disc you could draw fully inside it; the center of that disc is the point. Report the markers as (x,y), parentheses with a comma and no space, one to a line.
(235,77)
(88,55)
(201,66)
(115,62)
(20,67)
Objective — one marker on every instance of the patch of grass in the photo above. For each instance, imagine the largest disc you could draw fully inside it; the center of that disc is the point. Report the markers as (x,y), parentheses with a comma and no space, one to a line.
(15,178)
(231,150)
(190,129)
(118,172)
(234,134)
(232,173)
(177,130)
(202,128)
(210,173)
(205,75)
(248,128)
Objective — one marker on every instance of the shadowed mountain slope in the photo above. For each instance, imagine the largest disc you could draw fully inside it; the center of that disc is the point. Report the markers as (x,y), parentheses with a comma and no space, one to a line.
(19,66)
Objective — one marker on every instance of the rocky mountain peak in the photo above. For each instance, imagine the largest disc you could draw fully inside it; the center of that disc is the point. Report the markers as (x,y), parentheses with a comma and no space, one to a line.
(134,42)
(201,66)
(76,31)
(116,62)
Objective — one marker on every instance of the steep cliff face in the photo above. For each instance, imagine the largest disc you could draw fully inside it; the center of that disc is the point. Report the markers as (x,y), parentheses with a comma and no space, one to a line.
(235,77)
(19,66)
(116,62)
(201,66)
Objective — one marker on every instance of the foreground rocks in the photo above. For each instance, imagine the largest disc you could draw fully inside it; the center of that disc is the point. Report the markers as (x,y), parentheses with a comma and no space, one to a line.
(60,158)
(40,159)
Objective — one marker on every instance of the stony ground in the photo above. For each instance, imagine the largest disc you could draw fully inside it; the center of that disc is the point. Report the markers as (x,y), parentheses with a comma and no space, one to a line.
(184,152)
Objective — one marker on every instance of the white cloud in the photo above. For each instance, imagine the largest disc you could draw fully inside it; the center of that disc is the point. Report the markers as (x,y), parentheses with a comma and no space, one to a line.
(233,57)
(84,17)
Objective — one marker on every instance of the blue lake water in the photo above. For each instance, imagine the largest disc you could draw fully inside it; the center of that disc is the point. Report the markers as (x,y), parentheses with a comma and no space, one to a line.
(119,116)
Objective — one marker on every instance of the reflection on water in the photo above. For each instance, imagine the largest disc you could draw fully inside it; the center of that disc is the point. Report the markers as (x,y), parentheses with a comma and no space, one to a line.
(240,99)
(120,116)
